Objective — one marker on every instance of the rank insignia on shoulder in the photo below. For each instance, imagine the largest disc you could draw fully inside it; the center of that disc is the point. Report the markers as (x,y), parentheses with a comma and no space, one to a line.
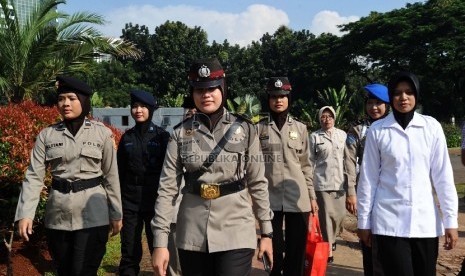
(351,139)
(293,135)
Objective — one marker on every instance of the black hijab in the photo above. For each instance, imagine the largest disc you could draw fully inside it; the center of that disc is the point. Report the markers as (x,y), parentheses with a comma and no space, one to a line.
(404,118)
(280,118)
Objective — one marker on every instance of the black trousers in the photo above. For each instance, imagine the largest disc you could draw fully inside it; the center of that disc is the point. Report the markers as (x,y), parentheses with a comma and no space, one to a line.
(367,260)
(225,263)
(77,252)
(407,256)
(292,244)
(131,240)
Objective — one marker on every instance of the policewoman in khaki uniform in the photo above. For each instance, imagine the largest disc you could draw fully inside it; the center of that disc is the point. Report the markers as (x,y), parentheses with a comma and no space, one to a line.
(284,142)
(327,159)
(219,157)
(84,202)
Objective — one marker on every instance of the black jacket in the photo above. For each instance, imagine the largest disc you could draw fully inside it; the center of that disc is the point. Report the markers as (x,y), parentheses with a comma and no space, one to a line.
(140,161)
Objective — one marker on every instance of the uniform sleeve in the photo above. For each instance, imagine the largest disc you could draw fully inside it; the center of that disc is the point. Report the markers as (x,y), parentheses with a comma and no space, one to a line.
(110,176)
(350,161)
(306,166)
(312,158)
(368,181)
(170,180)
(33,181)
(257,183)
(443,179)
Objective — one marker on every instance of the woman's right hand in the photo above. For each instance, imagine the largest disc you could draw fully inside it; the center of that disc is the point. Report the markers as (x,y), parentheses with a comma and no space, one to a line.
(365,236)
(160,258)
(25,228)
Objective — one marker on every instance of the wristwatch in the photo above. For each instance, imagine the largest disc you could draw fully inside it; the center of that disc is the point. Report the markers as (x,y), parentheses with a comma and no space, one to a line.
(268,235)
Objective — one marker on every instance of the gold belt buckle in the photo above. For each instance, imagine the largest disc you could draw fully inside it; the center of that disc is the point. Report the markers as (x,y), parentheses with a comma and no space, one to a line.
(210,190)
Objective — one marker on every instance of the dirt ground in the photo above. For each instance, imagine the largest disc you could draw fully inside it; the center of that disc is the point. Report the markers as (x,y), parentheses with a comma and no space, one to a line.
(31,261)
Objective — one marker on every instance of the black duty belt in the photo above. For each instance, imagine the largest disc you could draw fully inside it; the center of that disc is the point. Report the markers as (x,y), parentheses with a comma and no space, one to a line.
(64,186)
(215,190)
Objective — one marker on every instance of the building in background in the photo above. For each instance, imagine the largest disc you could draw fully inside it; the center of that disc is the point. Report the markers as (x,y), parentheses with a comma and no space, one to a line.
(23,9)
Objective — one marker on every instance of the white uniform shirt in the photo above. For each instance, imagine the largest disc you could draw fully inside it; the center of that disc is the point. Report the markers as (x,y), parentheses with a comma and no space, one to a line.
(399,170)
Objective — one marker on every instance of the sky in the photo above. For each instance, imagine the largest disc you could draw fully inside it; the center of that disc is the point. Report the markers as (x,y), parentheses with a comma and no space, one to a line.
(238,21)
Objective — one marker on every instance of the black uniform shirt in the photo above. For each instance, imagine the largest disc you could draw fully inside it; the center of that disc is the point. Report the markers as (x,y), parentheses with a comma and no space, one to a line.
(140,160)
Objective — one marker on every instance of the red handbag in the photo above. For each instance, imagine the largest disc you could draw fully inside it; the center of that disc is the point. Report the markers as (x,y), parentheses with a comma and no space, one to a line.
(317,250)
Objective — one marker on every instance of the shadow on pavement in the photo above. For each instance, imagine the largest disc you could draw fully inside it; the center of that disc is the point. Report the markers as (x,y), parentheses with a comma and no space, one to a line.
(335,269)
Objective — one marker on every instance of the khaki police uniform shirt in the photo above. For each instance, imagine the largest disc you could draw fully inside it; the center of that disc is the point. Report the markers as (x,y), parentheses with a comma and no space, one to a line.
(89,154)
(353,155)
(224,223)
(327,159)
(286,154)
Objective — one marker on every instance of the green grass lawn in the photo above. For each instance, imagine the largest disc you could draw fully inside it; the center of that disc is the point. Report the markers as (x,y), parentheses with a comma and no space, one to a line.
(112,257)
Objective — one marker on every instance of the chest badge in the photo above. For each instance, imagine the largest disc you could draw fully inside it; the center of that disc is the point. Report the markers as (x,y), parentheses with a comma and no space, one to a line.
(293,135)
(188,132)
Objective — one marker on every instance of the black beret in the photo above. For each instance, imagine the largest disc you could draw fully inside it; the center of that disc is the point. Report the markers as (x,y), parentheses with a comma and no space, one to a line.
(143,97)
(70,84)
(206,73)
(278,86)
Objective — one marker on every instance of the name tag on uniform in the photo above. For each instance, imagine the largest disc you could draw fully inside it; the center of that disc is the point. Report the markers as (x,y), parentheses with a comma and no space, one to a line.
(293,135)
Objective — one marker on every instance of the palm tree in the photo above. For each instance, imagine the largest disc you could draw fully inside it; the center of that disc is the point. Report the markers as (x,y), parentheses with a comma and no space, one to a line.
(49,43)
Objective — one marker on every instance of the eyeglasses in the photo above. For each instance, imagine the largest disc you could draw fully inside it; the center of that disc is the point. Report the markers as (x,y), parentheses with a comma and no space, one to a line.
(326,117)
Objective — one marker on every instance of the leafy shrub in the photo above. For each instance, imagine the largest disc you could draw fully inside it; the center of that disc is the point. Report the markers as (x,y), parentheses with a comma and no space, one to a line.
(453,135)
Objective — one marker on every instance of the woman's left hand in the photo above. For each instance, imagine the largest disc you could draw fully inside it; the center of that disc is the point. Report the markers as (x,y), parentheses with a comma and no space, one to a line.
(314,206)
(266,247)
(115,226)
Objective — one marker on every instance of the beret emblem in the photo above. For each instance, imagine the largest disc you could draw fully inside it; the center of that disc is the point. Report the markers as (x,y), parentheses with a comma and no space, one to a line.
(204,71)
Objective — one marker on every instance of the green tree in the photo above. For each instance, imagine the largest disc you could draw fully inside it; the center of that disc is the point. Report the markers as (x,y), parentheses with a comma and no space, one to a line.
(47,44)
(114,80)
(425,38)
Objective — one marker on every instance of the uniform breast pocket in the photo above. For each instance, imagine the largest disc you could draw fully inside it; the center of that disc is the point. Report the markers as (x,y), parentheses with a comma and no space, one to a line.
(54,157)
(190,155)
(265,143)
(295,144)
(91,159)
(321,150)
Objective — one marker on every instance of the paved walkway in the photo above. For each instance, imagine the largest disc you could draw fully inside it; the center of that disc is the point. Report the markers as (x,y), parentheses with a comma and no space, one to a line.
(348,257)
